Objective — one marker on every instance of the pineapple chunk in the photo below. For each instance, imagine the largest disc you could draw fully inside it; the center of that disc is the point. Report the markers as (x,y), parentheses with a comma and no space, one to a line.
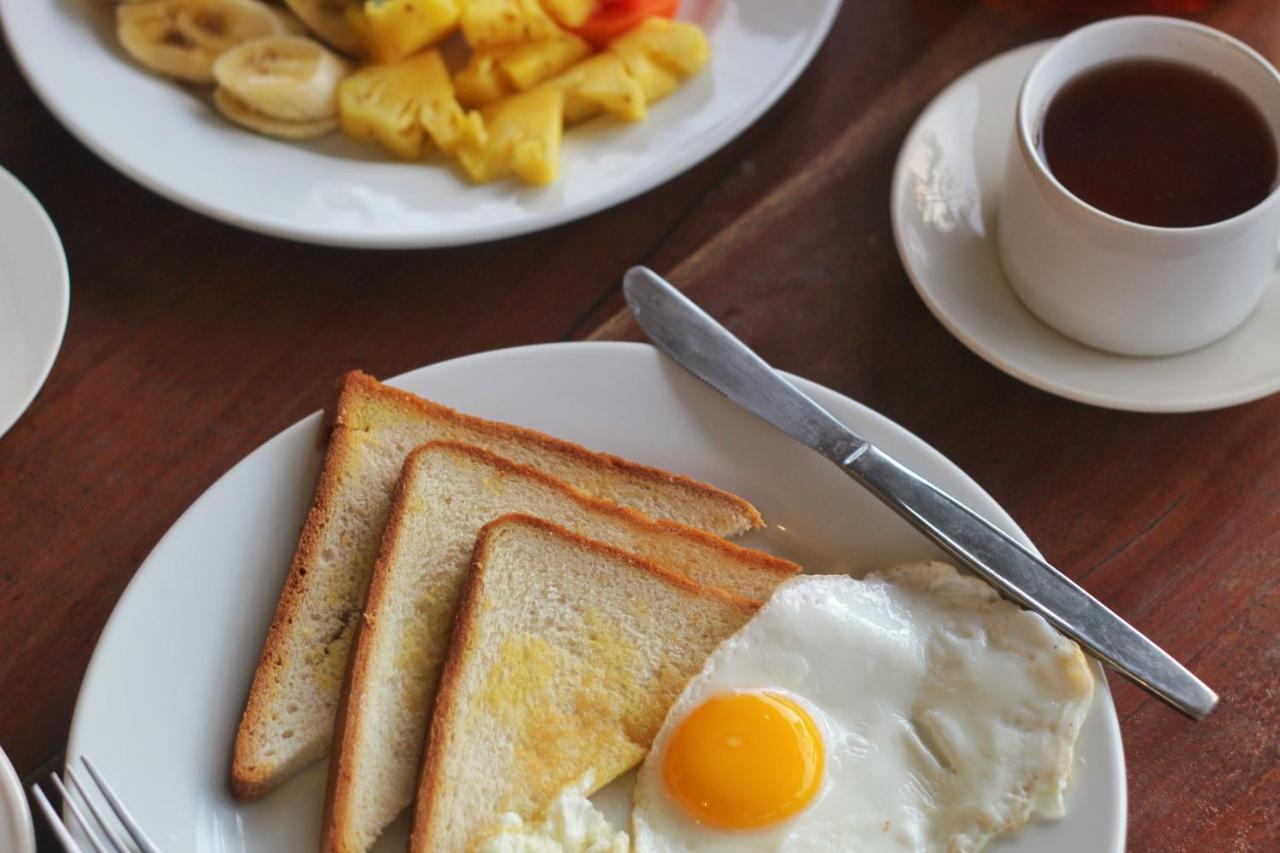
(486,23)
(447,124)
(406,106)
(523,133)
(494,72)
(526,65)
(570,13)
(393,29)
(482,80)
(660,53)
(639,68)
(675,45)
(378,104)
(600,83)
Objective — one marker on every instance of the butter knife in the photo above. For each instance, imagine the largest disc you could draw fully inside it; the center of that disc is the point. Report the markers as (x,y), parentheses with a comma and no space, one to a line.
(690,337)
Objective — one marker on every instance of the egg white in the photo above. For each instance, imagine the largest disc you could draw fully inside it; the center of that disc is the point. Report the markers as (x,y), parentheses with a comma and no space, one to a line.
(947,714)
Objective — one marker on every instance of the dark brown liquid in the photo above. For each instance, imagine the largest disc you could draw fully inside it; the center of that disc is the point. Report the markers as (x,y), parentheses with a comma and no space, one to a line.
(1160,143)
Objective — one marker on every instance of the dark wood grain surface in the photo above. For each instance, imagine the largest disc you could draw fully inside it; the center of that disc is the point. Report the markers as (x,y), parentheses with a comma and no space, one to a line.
(191,342)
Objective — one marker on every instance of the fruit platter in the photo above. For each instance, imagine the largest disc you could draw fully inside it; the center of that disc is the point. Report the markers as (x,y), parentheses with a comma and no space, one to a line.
(487,86)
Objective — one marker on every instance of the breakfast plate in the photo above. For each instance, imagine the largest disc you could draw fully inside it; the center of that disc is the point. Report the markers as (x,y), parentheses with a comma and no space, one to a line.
(943,206)
(339,192)
(35,292)
(163,694)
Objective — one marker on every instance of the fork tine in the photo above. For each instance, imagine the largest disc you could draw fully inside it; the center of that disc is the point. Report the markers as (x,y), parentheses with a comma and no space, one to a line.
(70,804)
(103,821)
(135,831)
(55,823)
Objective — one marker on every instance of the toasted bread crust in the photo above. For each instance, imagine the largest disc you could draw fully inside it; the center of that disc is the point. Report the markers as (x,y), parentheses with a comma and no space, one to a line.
(338,788)
(422,837)
(758,559)
(359,383)
(675,579)
(250,778)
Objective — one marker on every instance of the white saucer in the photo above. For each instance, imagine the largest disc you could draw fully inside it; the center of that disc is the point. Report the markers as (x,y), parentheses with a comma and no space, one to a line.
(16,832)
(945,189)
(35,292)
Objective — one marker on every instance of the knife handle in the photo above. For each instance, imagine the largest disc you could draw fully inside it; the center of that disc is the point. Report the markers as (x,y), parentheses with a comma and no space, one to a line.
(1029,580)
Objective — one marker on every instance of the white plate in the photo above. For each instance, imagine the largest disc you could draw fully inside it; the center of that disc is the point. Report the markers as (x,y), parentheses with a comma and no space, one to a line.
(35,292)
(344,193)
(945,190)
(17,835)
(163,694)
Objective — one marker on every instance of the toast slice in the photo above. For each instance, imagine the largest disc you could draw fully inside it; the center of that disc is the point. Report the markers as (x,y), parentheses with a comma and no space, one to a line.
(288,719)
(566,658)
(447,492)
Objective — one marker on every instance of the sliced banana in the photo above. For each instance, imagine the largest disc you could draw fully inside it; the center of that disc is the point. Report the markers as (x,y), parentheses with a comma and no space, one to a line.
(327,20)
(290,78)
(240,113)
(182,38)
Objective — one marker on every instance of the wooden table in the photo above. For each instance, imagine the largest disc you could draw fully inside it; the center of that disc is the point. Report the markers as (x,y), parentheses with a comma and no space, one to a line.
(192,342)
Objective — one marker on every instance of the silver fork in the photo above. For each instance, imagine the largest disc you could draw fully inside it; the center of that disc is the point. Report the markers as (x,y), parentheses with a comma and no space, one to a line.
(101,831)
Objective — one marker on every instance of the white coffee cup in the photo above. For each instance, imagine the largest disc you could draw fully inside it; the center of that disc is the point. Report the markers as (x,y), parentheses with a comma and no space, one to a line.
(1117,285)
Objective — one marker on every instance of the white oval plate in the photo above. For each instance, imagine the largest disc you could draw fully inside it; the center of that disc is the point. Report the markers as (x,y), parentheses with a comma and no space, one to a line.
(163,694)
(35,293)
(943,205)
(339,192)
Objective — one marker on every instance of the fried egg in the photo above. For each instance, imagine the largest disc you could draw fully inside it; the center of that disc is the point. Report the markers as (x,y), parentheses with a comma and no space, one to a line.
(570,825)
(911,710)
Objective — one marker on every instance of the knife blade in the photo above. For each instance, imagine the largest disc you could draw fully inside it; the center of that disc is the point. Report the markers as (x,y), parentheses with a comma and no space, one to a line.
(695,341)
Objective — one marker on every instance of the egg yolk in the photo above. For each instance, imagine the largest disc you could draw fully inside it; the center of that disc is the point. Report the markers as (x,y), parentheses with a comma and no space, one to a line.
(743,760)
